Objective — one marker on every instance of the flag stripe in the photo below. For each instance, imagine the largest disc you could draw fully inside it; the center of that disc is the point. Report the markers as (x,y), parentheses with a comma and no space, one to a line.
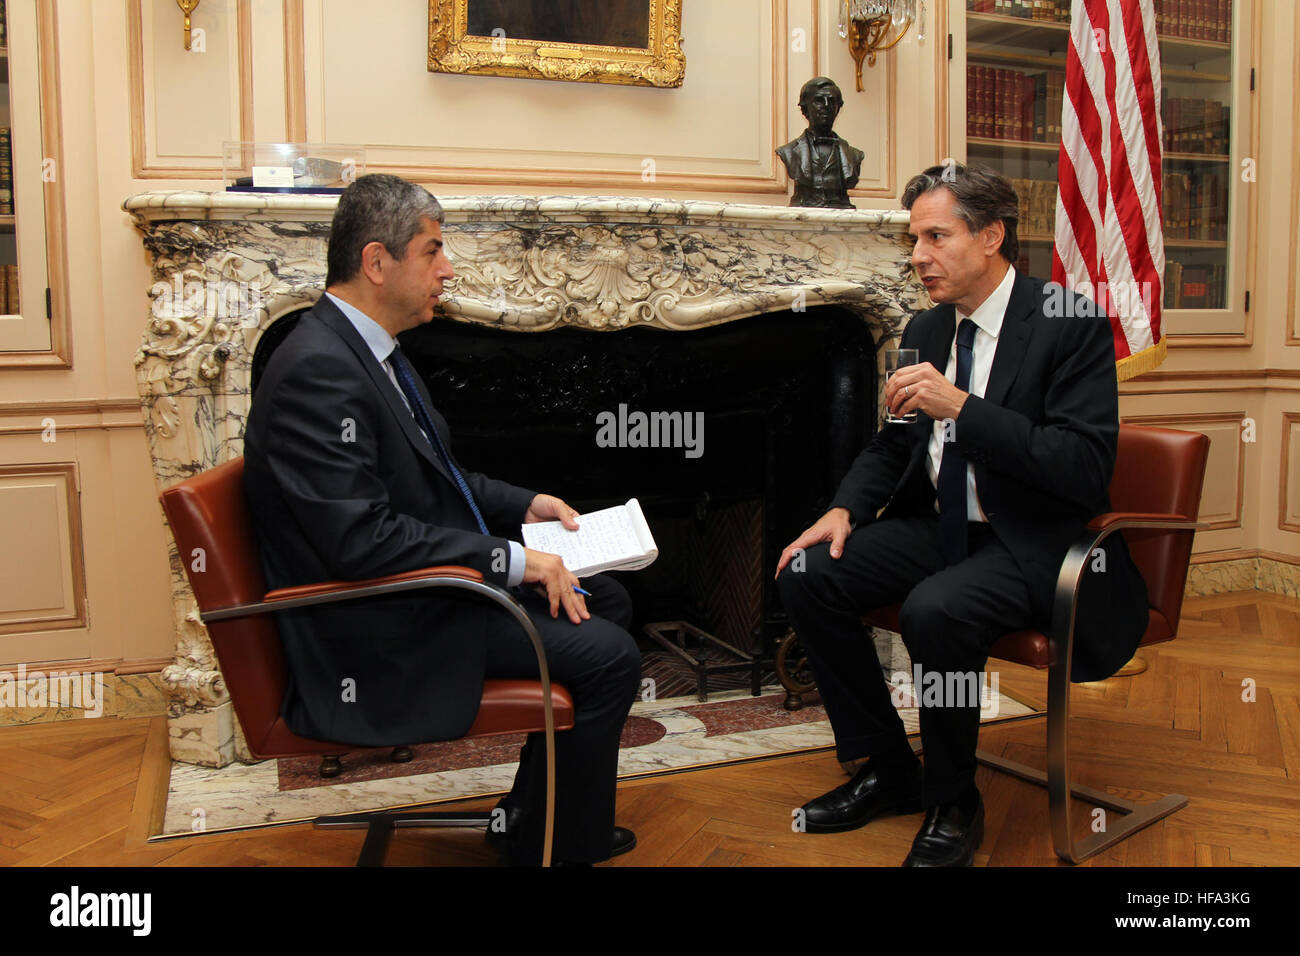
(1109,219)
(1119,245)
(1131,176)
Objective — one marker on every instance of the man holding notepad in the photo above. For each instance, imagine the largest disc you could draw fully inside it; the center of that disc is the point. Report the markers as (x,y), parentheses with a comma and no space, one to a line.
(350,475)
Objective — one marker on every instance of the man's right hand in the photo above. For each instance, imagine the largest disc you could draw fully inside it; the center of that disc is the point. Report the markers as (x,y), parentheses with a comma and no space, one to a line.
(548,571)
(833,526)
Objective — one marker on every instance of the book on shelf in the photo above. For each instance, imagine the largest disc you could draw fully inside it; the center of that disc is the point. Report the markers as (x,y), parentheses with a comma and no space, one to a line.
(1037,202)
(1194,125)
(1195,286)
(1195,204)
(613,539)
(1195,19)
(1013,105)
(1040,108)
(11,302)
(1186,19)
(4,28)
(6,173)
(1054,10)
(1195,282)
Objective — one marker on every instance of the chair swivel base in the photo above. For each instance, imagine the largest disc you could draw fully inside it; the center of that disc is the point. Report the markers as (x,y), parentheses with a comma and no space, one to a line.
(379,827)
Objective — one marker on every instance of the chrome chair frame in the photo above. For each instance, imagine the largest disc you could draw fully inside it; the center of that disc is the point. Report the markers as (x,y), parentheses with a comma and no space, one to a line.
(1060,648)
(379,826)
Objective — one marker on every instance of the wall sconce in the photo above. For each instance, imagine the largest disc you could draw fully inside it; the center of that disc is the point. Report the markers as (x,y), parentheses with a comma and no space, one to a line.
(187,7)
(867,25)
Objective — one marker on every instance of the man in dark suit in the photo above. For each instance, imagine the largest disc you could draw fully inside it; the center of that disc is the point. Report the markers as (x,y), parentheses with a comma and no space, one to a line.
(350,475)
(964,514)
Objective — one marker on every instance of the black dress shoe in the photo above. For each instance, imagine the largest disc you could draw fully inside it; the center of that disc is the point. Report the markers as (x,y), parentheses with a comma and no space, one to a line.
(949,836)
(499,830)
(624,839)
(862,799)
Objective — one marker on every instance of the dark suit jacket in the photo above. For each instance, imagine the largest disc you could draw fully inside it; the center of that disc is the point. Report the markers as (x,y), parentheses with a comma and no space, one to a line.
(342,485)
(1042,442)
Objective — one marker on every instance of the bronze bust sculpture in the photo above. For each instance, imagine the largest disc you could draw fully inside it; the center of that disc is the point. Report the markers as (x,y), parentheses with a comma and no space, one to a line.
(823,166)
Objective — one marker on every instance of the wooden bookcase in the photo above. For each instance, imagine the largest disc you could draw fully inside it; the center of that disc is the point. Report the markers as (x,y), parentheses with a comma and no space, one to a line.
(33,322)
(1007,77)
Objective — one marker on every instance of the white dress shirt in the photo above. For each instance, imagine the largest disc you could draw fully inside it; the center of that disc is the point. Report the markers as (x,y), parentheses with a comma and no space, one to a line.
(988,321)
(382,345)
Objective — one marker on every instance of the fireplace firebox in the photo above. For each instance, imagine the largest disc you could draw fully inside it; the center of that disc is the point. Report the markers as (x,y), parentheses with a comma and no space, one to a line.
(775,407)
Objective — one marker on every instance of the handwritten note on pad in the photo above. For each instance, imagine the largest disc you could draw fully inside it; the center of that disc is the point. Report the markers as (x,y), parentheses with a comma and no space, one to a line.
(614,539)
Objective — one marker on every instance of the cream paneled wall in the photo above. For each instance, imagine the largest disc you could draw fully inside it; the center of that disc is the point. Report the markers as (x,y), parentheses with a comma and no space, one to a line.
(186,103)
(139,113)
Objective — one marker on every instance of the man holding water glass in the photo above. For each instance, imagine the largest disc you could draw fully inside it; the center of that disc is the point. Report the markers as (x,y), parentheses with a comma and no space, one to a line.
(998,447)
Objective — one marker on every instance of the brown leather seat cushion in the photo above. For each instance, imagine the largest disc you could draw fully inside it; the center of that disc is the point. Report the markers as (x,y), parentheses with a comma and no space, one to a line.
(1028,647)
(508,707)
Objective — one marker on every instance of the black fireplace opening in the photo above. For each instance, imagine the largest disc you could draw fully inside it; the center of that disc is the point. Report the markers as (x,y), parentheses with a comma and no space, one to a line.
(786,401)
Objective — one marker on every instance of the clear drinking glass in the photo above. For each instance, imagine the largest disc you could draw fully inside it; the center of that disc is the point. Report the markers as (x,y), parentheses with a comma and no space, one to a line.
(894,360)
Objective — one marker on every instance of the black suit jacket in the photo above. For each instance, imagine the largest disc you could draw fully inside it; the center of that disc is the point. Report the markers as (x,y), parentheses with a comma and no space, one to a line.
(1042,443)
(342,485)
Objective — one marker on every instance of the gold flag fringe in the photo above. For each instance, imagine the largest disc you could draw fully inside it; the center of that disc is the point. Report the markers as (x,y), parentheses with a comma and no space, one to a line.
(1134,365)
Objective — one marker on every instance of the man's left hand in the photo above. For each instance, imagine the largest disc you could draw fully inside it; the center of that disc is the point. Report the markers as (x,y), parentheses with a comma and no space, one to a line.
(924,388)
(551,508)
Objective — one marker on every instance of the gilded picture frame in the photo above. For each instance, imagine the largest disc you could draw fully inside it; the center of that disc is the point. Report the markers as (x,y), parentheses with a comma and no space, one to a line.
(554,40)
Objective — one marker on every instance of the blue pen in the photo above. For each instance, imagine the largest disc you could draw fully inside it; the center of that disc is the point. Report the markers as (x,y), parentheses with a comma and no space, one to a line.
(581,591)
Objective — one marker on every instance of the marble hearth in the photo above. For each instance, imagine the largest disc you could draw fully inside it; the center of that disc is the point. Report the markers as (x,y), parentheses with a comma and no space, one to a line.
(227,266)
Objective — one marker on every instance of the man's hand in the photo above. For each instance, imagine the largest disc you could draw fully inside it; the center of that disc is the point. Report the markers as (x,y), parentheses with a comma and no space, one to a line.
(833,526)
(923,387)
(551,508)
(552,577)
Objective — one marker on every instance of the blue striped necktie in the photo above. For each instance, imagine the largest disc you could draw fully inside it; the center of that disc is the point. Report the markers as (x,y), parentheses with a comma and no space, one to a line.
(406,379)
(951,485)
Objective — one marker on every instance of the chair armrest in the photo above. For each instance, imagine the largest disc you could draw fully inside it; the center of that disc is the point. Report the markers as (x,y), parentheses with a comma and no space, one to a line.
(1113,521)
(449,576)
(1070,578)
(326,592)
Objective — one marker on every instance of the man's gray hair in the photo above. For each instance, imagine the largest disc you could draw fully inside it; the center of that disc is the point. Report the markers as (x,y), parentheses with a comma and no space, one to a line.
(983,197)
(376,208)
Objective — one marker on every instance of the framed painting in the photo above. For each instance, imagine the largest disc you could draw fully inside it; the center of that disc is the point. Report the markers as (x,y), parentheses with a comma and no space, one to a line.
(595,41)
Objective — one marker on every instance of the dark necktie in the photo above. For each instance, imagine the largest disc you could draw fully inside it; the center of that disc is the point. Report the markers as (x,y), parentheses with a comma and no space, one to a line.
(952,467)
(406,379)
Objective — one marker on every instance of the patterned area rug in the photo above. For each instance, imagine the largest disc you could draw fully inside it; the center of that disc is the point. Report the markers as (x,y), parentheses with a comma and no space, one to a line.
(661,736)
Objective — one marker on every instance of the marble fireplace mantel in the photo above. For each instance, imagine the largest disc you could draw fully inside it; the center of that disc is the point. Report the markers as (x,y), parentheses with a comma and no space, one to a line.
(227,265)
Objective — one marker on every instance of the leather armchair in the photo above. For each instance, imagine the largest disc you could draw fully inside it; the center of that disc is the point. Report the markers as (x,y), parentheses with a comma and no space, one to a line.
(209,518)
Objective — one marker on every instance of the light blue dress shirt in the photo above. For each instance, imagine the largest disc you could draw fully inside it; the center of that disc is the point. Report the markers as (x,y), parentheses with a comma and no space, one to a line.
(382,345)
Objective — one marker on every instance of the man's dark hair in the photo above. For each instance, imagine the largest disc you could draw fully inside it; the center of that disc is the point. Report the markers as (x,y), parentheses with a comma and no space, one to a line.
(983,197)
(376,208)
(810,88)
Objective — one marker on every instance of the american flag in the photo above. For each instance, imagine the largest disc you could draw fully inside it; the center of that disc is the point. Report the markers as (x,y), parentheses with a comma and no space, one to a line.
(1109,241)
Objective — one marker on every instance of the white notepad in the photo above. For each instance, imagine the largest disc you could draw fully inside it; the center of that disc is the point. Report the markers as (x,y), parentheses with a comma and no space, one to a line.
(614,539)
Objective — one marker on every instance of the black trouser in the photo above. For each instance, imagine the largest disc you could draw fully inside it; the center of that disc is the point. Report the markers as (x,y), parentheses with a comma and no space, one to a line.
(950,617)
(599,663)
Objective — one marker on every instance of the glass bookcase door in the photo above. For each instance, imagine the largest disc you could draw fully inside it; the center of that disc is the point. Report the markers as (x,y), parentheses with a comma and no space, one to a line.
(24,321)
(1014,75)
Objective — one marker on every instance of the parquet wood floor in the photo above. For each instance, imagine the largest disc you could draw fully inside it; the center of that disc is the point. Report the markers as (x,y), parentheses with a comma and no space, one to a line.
(85,793)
